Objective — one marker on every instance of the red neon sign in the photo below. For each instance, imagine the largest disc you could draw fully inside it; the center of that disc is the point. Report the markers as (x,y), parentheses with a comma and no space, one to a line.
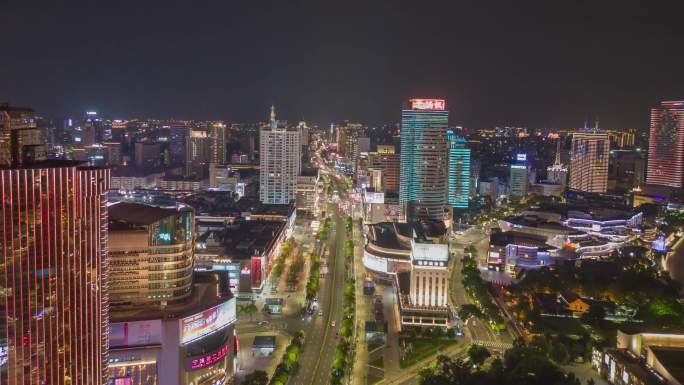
(210,359)
(427,104)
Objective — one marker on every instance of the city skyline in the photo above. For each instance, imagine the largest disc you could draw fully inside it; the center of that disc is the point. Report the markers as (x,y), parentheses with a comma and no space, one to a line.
(529,65)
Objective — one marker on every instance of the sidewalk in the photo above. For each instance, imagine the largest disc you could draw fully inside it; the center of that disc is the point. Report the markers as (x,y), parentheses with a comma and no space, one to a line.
(360,370)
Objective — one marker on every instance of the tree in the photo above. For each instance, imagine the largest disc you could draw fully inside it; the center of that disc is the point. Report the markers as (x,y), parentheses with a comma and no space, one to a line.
(469,310)
(257,377)
(595,314)
(477,354)
(559,353)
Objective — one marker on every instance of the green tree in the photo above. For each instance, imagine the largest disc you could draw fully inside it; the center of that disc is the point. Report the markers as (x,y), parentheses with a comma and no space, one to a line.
(477,354)
(559,353)
(257,377)
(595,314)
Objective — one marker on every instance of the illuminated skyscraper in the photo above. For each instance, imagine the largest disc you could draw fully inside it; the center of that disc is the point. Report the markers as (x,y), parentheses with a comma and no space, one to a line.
(459,171)
(54,312)
(424,159)
(13,119)
(589,161)
(518,181)
(557,173)
(280,162)
(666,145)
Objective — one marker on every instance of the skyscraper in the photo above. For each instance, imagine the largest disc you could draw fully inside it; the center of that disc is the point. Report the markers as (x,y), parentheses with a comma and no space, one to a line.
(13,119)
(424,153)
(518,181)
(666,145)
(54,312)
(388,165)
(557,173)
(459,171)
(589,161)
(218,142)
(280,162)
(197,153)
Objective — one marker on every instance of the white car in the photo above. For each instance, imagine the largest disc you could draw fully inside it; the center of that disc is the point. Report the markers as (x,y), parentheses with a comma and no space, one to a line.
(332,323)
(320,313)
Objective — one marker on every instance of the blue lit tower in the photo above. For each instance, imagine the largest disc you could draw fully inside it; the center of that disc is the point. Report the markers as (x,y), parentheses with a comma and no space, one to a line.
(459,171)
(424,154)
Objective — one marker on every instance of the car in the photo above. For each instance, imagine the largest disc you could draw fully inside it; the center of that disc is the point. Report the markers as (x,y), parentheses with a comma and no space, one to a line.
(332,324)
(320,313)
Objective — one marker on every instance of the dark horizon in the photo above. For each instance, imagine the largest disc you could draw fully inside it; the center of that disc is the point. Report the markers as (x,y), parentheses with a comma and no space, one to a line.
(533,64)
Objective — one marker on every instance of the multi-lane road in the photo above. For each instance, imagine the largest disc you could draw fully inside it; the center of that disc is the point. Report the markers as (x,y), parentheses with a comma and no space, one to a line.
(321,336)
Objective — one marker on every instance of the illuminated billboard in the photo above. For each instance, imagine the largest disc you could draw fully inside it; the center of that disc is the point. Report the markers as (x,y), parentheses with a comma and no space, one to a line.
(427,104)
(374,197)
(521,157)
(138,333)
(211,358)
(207,322)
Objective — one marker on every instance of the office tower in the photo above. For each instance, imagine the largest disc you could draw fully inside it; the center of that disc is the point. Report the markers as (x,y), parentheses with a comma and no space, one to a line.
(11,119)
(197,153)
(626,169)
(147,154)
(389,165)
(303,134)
(113,151)
(218,141)
(54,312)
(91,129)
(348,135)
(666,145)
(179,133)
(557,173)
(519,177)
(150,253)
(589,161)
(424,163)
(459,171)
(280,162)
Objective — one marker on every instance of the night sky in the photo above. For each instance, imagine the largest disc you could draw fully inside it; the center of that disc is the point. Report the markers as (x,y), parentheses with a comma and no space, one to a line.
(530,63)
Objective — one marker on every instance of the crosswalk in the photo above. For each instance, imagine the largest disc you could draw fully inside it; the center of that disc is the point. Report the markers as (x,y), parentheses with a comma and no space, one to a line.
(493,344)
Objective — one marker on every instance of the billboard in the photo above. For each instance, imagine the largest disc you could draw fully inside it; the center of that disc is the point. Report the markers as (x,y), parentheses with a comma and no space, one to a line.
(427,104)
(374,197)
(374,263)
(211,358)
(136,333)
(207,321)
(521,157)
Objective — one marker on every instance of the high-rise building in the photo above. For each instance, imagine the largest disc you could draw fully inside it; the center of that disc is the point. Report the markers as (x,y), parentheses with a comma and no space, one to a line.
(218,141)
(150,253)
(280,162)
(113,150)
(348,136)
(197,153)
(589,161)
(147,154)
(459,171)
(424,159)
(518,181)
(557,173)
(666,145)
(54,312)
(389,165)
(12,119)
(179,133)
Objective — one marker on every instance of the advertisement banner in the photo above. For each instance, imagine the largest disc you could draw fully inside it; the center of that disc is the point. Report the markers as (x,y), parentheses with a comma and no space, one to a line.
(208,321)
(137,333)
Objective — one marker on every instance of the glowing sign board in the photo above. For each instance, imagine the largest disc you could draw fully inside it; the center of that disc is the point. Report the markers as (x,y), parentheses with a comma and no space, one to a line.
(136,333)
(194,363)
(208,321)
(427,104)
(521,157)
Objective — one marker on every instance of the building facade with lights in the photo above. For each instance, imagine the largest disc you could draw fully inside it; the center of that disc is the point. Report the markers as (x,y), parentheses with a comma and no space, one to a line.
(424,159)
(191,342)
(666,145)
(459,172)
(518,181)
(589,158)
(151,253)
(53,328)
(280,163)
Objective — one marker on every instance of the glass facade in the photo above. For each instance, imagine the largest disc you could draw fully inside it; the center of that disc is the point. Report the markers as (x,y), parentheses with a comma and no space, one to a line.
(53,328)
(424,153)
(459,171)
(666,145)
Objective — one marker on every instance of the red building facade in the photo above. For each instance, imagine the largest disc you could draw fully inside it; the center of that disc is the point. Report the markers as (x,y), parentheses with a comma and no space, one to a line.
(54,304)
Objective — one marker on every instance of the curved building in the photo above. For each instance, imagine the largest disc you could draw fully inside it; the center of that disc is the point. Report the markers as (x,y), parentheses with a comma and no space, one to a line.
(150,253)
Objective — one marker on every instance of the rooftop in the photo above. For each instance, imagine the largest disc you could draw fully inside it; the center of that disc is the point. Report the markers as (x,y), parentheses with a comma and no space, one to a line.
(204,296)
(264,342)
(139,214)
(672,360)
